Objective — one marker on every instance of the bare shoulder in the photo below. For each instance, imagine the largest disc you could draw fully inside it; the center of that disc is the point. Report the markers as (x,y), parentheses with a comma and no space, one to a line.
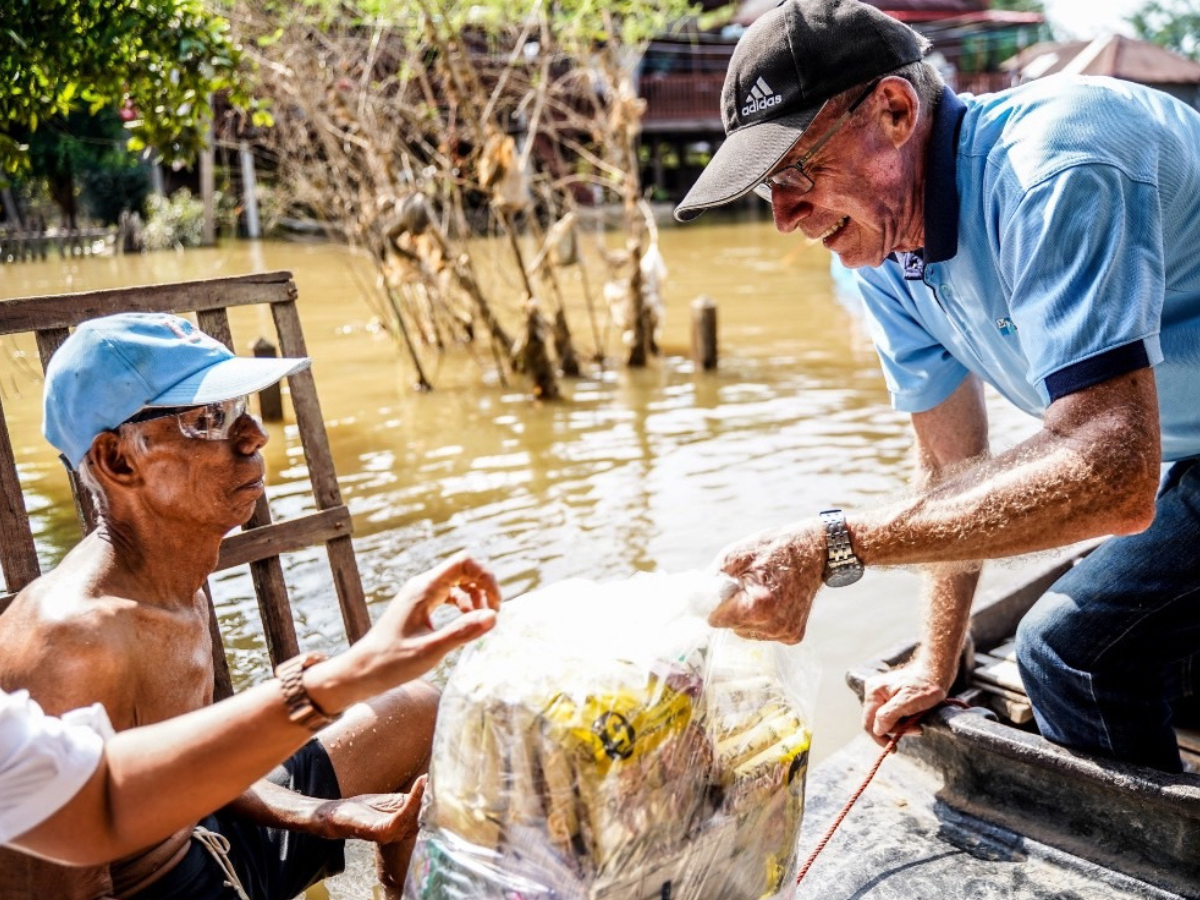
(67,646)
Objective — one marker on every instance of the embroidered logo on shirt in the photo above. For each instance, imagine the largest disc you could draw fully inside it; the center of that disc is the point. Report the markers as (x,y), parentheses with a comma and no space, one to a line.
(913,264)
(1007,326)
(761,97)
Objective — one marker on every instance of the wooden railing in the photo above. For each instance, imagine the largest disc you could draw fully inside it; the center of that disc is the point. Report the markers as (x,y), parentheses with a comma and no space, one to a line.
(671,98)
(17,245)
(983,82)
(262,540)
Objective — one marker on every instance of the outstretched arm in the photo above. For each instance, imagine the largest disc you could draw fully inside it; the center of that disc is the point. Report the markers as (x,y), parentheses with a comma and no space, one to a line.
(1092,470)
(382,817)
(154,780)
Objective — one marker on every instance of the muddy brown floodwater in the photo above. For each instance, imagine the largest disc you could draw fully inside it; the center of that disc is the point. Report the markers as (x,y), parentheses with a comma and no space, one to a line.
(631,471)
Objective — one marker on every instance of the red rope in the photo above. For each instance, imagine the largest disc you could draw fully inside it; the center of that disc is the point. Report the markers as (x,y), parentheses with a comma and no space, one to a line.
(904,727)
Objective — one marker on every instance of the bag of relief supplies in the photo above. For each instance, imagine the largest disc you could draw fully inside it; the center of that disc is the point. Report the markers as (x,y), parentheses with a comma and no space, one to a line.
(604,743)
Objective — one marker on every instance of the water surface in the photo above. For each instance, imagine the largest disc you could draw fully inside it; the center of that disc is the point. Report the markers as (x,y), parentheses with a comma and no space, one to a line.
(651,470)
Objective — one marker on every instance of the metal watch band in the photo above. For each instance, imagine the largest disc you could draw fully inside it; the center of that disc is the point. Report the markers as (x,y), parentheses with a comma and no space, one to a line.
(300,706)
(842,565)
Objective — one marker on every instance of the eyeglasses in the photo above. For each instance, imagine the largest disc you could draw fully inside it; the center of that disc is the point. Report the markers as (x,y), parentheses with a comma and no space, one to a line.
(792,176)
(211,422)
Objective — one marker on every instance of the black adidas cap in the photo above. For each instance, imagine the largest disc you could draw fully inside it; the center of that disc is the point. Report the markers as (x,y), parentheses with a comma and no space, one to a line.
(787,64)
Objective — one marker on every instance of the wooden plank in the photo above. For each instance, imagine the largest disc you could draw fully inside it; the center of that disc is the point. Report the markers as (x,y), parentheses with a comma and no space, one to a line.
(284,537)
(1013,706)
(1003,672)
(48,342)
(348,583)
(271,590)
(1007,650)
(311,424)
(279,627)
(222,680)
(1188,739)
(68,310)
(6,601)
(18,555)
(309,420)
(1190,760)
(215,323)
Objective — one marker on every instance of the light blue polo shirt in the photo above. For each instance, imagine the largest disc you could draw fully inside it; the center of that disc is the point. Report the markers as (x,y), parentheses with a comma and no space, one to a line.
(1062,229)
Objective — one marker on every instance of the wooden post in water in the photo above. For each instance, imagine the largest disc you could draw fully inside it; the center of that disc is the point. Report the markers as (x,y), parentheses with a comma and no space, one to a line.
(704,332)
(270,399)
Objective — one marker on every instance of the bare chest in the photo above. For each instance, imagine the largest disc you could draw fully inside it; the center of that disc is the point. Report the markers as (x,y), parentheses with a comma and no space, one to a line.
(171,665)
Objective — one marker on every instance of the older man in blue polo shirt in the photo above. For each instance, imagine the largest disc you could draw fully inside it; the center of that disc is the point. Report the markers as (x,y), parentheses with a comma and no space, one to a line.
(1045,240)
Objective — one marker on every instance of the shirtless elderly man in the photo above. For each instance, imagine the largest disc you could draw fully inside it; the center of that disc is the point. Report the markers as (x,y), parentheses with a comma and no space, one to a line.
(151,412)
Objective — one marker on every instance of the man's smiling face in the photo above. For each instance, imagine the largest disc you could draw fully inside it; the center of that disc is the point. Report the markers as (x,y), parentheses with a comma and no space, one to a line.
(865,200)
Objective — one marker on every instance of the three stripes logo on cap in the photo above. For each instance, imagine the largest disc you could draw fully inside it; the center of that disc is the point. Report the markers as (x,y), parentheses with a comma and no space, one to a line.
(760,97)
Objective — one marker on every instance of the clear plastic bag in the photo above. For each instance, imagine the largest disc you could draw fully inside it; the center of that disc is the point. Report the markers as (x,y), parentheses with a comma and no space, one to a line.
(604,743)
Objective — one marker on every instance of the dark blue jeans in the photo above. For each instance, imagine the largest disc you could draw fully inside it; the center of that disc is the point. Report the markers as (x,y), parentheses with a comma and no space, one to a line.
(1108,652)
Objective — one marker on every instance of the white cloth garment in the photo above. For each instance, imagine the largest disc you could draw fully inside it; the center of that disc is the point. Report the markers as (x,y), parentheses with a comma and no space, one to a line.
(44,760)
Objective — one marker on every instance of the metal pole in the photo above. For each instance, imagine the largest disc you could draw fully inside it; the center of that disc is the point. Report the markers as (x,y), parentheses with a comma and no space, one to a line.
(249,193)
(208,235)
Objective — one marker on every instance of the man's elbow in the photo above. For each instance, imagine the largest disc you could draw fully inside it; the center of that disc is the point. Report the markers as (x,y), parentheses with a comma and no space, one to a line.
(1134,505)
(1134,522)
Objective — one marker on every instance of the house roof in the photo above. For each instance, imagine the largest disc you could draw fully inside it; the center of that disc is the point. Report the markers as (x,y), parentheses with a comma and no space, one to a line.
(1114,54)
(904,10)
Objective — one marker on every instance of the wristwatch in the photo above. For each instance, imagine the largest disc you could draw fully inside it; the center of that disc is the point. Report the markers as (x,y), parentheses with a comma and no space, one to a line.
(300,706)
(842,566)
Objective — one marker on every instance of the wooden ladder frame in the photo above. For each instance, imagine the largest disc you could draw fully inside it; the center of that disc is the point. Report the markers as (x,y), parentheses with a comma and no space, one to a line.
(261,541)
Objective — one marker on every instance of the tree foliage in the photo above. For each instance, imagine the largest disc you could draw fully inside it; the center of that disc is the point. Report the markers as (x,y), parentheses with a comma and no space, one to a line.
(84,151)
(1174,25)
(158,60)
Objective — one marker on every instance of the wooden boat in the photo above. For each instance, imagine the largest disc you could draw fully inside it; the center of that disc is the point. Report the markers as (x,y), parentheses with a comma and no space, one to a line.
(980,806)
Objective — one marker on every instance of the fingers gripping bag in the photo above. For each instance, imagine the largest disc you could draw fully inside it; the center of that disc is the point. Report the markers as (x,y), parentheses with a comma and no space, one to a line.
(604,743)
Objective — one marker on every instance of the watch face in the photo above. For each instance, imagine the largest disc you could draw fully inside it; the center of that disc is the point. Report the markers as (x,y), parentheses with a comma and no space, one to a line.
(843,575)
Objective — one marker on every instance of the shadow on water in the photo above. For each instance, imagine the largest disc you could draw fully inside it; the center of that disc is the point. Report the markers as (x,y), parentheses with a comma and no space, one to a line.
(647,470)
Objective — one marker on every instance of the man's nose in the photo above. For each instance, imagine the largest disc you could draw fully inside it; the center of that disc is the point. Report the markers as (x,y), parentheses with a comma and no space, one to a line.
(248,434)
(788,211)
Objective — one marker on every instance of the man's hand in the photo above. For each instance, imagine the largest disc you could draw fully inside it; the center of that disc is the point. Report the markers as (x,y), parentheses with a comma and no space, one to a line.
(779,571)
(895,694)
(381,818)
(404,644)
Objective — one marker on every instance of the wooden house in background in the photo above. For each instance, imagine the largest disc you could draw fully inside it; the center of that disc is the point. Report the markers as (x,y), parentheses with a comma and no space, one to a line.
(1116,56)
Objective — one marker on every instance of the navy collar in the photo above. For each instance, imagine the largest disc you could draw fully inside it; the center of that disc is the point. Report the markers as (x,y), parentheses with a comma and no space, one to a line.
(941,180)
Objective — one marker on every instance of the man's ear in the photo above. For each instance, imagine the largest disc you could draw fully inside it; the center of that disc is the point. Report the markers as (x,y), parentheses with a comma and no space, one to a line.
(900,110)
(111,464)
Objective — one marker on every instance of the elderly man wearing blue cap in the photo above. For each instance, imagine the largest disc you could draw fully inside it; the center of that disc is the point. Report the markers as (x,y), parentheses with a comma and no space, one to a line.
(1042,240)
(151,413)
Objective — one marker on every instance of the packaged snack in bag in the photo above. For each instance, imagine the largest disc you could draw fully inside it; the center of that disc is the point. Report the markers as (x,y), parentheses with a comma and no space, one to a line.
(603,743)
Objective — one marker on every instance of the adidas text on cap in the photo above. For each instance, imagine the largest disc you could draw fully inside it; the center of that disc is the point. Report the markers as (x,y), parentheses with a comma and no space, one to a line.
(785,67)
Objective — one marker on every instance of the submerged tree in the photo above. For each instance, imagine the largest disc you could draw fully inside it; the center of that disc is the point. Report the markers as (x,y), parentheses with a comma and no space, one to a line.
(410,125)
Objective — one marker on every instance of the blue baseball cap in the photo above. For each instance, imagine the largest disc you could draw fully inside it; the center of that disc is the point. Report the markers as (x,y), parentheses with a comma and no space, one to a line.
(110,368)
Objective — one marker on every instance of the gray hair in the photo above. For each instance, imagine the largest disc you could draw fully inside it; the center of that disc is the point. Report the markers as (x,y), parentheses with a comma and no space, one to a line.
(135,442)
(926,80)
